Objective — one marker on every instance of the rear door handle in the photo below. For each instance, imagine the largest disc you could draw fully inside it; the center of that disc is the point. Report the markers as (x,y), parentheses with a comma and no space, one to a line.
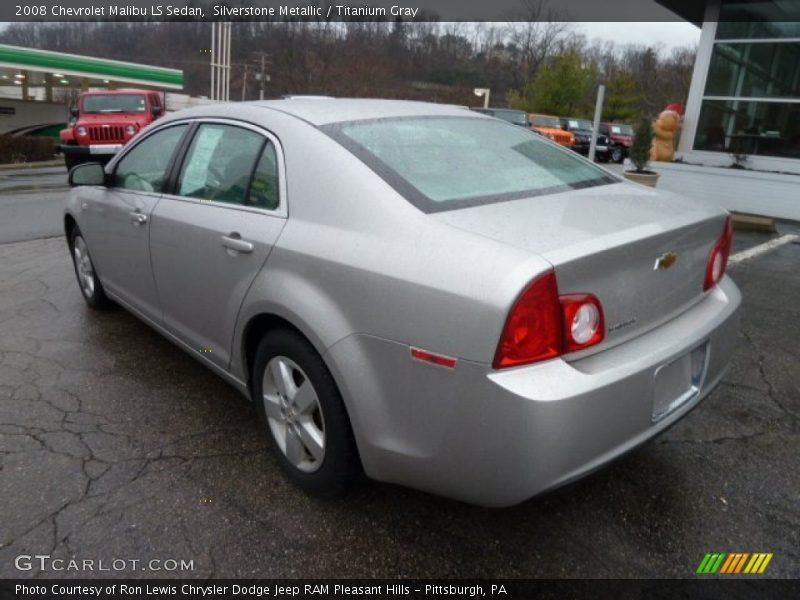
(138,218)
(235,242)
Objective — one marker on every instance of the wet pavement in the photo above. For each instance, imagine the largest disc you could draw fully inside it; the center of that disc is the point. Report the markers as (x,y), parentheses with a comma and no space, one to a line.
(114,444)
(31,201)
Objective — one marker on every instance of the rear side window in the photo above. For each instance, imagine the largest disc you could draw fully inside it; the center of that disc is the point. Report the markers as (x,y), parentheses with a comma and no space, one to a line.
(454,162)
(264,187)
(219,163)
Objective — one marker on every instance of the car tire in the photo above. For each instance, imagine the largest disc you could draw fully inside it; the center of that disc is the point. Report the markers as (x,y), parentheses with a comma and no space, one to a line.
(88,282)
(71,161)
(617,155)
(308,427)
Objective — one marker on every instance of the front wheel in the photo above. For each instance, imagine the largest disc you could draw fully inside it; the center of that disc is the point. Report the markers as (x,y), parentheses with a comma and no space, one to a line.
(617,155)
(90,285)
(71,161)
(302,413)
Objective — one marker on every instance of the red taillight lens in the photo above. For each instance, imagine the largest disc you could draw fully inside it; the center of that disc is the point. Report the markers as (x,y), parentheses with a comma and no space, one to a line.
(718,257)
(533,328)
(542,325)
(583,321)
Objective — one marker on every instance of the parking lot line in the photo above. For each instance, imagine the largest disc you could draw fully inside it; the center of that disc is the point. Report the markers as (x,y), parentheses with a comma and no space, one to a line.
(762,248)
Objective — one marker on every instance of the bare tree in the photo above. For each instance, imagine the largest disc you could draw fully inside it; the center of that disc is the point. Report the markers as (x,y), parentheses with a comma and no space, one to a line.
(532,35)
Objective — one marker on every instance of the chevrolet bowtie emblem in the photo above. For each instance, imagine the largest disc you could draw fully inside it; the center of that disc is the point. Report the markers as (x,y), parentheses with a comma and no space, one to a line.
(665,261)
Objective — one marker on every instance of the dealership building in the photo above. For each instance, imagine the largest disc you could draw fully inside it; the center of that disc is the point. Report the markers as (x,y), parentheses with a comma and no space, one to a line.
(743,105)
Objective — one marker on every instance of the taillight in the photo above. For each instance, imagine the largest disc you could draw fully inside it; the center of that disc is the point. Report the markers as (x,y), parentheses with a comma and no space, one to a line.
(541,325)
(583,321)
(718,257)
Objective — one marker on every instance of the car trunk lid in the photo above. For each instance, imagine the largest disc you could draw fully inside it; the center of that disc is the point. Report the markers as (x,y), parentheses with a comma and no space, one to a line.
(642,252)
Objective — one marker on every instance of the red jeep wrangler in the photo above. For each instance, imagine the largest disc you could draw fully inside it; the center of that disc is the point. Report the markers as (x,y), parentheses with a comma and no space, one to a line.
(105,121)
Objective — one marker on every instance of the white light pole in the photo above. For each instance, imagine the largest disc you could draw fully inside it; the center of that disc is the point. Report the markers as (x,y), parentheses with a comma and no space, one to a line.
(220,61)
(483,92)
(211,93)
(598,111)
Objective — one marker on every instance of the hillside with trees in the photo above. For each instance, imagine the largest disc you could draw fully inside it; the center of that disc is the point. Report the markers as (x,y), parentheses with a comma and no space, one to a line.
(542,65)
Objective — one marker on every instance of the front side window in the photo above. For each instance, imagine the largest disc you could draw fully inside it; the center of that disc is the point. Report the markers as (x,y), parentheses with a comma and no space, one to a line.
(144,168)
(114,103)
(219,163)
(453,162)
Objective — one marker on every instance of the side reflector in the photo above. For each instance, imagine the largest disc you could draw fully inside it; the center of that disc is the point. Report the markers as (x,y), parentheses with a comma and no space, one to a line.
(440,360)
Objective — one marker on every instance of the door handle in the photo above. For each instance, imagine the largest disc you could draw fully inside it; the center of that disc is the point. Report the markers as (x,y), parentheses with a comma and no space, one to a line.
(138,218)
(235,242)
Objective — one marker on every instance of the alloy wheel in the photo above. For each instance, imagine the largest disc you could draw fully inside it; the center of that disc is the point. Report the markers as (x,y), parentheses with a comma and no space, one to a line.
(84,267)
(294,413)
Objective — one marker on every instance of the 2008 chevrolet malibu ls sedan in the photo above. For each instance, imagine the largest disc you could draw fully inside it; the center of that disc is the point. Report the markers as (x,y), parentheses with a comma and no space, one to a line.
(442,299)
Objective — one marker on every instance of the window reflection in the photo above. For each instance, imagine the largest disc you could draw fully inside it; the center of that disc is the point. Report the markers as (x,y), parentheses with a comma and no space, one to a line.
(747,127)
(755,70)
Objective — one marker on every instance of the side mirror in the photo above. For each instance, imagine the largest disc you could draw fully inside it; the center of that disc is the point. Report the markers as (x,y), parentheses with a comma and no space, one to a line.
(87,174)
(74,112)
(157,111)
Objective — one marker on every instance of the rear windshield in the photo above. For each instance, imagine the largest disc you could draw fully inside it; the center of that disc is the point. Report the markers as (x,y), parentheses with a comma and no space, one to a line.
(512,116)
(453,162)
(129,103)
(579,124)
(622,129)
(546,122)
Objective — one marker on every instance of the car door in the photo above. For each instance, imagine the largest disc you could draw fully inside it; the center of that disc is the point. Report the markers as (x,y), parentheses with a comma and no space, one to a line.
(212,234)
(119,218)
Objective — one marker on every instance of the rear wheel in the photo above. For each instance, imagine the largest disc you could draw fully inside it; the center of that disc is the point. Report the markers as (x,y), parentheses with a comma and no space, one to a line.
(617,154)
(302,413)
(89,284)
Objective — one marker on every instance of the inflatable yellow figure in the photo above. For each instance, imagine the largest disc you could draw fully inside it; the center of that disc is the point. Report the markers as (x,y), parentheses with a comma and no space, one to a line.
(665,128)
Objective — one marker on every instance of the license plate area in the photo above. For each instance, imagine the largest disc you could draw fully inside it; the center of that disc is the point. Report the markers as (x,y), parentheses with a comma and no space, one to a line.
(678,381)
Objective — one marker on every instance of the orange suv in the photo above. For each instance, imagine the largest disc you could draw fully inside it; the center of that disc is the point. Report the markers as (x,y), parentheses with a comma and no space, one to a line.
(550,127)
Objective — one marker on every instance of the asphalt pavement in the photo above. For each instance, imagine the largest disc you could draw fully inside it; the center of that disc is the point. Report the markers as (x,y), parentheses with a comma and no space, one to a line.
(30,203)
(114,444)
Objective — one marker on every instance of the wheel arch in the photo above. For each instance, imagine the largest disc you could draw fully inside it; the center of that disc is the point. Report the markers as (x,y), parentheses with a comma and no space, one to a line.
(69,224)
(257,326)
(260,325)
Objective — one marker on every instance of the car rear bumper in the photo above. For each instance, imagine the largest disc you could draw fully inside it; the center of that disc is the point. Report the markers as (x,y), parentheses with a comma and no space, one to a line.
(497,438)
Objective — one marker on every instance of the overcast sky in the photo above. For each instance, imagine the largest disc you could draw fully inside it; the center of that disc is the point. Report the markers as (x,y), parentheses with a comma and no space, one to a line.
(669,34)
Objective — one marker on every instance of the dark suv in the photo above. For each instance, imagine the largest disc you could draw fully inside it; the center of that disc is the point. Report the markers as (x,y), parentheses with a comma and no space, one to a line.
(621,138)
(582,130)
(517,117)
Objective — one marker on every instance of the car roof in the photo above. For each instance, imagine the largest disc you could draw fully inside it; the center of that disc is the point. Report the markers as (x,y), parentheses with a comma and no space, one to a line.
(321,111)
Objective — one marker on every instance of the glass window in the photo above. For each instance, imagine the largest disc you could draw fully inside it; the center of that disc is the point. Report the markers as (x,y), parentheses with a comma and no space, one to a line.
(749,127)
(264,188)
(219,163)
(144,168)
(743,27)
(542,121)
(755,70)
(111,103)
(751,19)
(447,163)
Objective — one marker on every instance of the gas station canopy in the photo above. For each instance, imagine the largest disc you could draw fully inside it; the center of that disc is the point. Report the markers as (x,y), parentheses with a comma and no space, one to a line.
(29,67)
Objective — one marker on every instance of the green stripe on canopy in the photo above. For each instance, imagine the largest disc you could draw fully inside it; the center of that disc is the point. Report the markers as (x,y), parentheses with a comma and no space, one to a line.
(86,66)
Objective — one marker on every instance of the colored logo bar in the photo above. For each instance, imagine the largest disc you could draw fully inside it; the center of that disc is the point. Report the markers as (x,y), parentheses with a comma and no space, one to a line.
(734,563)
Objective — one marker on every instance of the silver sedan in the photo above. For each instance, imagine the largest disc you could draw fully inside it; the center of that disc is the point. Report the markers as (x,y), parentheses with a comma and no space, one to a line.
(422,293)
